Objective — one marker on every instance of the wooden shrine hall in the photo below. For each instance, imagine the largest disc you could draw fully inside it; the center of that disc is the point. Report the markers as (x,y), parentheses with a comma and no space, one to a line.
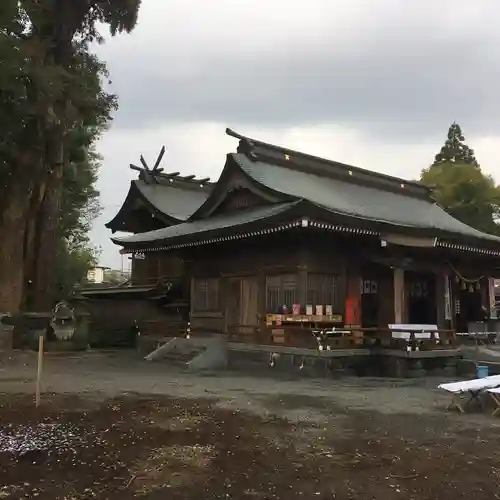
(285,242)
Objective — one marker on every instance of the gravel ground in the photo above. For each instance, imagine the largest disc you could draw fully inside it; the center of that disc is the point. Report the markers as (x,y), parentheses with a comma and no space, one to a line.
(112,426)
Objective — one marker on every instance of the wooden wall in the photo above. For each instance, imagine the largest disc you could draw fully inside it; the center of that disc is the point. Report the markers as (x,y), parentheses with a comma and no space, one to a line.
(252,260)
(251,265)
(155,265)
(111,317)
(265,260)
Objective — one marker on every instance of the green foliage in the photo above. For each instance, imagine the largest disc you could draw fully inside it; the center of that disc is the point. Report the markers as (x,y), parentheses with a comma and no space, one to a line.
(48,77)
(80,201)
(80,18)
(115,277)
(53,108)
(79,207)
(460,187)
(466,193)
(14,74)
(73,263)
(454,149)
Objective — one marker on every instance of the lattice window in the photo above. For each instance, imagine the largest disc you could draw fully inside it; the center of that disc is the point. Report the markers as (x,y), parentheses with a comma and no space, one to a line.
(205,294)
(322,289)
(419,289)
(281,290)
(368,287)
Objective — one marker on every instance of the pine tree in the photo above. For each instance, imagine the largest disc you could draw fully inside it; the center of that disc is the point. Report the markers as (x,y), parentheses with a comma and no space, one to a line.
(454,149)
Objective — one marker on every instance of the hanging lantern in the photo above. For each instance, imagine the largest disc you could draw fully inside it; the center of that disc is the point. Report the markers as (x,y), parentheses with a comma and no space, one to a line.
(457,279)
(470,288)
(463,286)
(478,285)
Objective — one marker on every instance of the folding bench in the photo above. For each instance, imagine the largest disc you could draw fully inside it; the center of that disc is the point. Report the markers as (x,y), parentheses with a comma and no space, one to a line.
(473,388)
(411,335)
(495,395)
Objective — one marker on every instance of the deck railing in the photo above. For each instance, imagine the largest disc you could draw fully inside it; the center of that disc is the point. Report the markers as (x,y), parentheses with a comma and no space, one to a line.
(301,337)
(338,338)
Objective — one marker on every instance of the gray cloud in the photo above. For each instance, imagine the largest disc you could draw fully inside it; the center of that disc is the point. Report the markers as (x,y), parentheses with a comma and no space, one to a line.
(393,70)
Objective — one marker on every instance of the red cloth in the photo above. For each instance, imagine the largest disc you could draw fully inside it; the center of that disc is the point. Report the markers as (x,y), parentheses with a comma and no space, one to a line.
(352,311)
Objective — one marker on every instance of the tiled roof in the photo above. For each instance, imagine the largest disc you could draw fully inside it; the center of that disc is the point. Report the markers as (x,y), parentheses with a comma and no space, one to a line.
(233,220)
(172,200)
(351,199)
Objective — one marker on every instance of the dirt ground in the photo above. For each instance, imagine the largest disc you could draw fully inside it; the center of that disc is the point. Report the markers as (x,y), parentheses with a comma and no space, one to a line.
(113,426)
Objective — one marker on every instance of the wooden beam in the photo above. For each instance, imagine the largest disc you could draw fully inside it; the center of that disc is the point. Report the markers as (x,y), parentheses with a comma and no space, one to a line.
(232,133)
(160,157)
(144,164)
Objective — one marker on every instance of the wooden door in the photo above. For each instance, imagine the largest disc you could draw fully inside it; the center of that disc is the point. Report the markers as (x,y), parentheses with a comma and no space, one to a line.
(233,302)
(242,301)
(249,303)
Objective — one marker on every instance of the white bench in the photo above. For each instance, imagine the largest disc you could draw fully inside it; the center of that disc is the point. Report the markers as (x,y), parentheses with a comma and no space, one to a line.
(495,395)
(411,332)
(473,388)
(487,337)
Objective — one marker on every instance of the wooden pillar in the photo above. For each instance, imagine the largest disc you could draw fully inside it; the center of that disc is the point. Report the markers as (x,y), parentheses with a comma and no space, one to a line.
(302,286)
(485,294)
(304,256)
(491,298)
(133,269)
(440,291)
(353,294)
(399,295)
(188,283)
(224,290)
(261,279)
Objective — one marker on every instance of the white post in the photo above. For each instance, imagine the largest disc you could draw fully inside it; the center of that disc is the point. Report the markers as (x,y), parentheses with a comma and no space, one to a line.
(39,370)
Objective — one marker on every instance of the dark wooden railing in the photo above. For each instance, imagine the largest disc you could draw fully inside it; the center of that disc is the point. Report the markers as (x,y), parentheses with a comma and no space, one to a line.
(298,336)
(162,328)
(342,338)
(155,281)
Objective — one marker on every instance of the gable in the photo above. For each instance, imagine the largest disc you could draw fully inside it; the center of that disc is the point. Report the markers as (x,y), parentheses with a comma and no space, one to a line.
(172,201)
(237,190)
(239,198)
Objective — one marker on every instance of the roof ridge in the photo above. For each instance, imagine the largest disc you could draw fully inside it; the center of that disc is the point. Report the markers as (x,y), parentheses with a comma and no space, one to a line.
(250,147)
(174,176)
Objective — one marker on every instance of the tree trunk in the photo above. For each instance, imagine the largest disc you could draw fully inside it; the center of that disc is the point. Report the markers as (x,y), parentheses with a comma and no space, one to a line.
(47,235)
(12,226)
(32,242)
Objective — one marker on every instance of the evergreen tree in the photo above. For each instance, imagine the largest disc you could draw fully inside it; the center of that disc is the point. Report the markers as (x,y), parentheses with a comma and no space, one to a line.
(454,149)
(51,86)
(465,192)
(461,188)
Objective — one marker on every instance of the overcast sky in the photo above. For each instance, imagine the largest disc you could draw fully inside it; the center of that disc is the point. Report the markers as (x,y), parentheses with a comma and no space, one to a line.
(373,83)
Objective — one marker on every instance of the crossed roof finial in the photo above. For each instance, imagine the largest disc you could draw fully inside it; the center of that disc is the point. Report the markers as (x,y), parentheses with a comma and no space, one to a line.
(152,174)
